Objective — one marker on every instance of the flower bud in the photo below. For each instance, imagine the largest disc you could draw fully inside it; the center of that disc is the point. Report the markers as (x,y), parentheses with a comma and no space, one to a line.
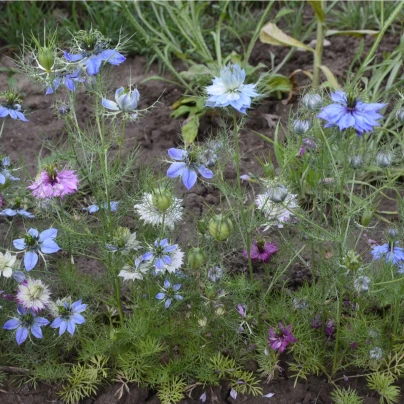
(301,127)
(400,115)
(162,199)
(392,234)
(203,322)
(220,227)
(277,193)
(208,158)
(196,258)
(312,101)
(352,260)
(63,109)
(46,58)
(220,311)
(384,159)
(355,161)
(367,217)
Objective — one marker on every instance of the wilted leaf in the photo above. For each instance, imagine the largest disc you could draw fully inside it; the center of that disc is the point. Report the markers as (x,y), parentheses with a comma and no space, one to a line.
(189,129)
(333,82)
(357,33)
(272,35)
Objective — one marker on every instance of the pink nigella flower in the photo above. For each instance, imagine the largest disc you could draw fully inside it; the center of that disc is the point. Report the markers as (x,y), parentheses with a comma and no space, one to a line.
(54,183)
(261,251)
(279,341)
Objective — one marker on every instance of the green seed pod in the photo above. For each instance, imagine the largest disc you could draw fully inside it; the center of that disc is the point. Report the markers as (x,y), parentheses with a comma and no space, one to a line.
(162,199)
(46,58)
(220,227)
(367,217)
(196,258)
(352,260)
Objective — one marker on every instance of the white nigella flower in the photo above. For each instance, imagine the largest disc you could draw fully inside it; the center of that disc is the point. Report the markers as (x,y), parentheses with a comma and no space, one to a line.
(376,353)
(130,273)
(7,263)
(177,258)
(126,101)
(150,214)
(362,283)
(33,294)
(276,213)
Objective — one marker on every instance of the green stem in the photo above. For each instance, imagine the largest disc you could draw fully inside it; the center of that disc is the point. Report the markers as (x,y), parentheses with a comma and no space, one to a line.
(338,325)
(118,300)
(318,53)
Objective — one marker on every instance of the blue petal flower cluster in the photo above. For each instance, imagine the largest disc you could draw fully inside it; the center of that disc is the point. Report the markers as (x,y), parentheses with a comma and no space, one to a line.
(393,254)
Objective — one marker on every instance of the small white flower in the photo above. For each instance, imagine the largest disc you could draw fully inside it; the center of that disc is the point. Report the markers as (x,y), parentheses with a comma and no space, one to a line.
(376,353)
(151,215)
(276,213)
(362,283)
(126,101)
(7,263)
(130,273)
(33,294)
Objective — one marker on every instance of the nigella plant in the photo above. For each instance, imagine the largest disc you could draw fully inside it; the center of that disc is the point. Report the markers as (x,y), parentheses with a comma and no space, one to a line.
(169,293)
(348,111)
(25,323)
(186,166)
(126,102)
(69,80)
(93,51)
(229,89)
(67,315)
(10,106)
(35,243)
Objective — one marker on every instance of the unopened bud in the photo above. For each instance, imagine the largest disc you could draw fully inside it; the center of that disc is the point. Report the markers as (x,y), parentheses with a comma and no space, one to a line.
(162,199)
(220,227)
(277,193)
(301,127)
(63,109)
(400,115)
(220,311)
(208,158)
(356,161)
(392,233)
(367,217)
(384,159)
(312,101)
(203,322)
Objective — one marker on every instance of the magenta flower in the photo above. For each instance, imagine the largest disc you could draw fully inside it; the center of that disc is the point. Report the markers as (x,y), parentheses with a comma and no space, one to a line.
(279,341)
(261,251)
(53,183)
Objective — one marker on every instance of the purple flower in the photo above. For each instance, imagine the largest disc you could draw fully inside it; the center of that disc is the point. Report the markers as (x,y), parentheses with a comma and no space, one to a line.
(316,322)
(348,112)
(93,60)
(26,322)
(69,316)
(34,242)
(261,251)
(279,341)
(187,167)
(169,292)
(330,328)
(242,310)
(67,79)
(394,255)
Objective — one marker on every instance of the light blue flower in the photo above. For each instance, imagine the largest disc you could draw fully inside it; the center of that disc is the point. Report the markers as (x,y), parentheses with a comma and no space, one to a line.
(169,292)
(95,208)
(68,80)
(33,242)
(13,110)
(4,171)
(186,168)
(393,254)
(13,212)
(93,60)
(160,254)
(125,101)
(26,322)
(69,316)
(349,112)
(229,89)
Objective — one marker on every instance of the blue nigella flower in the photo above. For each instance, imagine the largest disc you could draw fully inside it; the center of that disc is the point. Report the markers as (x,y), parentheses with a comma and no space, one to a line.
(160,254)
(68,80)
(13,110)
(93,60)
(13,212)
(125,101)
(229,89)
(96,208)
(186,168)
(33,242)
(69,316)
(169,292)
(349,112)
(27,322)
(393,254)
(4,172)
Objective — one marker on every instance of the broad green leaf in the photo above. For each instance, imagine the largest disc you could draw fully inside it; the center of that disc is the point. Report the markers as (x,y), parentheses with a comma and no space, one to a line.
(189,129)
(318,10)
(333,82)
(357,33)
(278,82)
(272,35)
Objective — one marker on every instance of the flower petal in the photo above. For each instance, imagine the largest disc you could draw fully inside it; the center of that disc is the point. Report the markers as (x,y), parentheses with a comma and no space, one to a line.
(110,104)
(176,169)
(30,260)
(189,178)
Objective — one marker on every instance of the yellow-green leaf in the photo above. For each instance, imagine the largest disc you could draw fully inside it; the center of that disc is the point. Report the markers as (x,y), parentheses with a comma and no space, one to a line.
(189,129)
(272,35)
(357,33)
(332,80)
(318,10)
